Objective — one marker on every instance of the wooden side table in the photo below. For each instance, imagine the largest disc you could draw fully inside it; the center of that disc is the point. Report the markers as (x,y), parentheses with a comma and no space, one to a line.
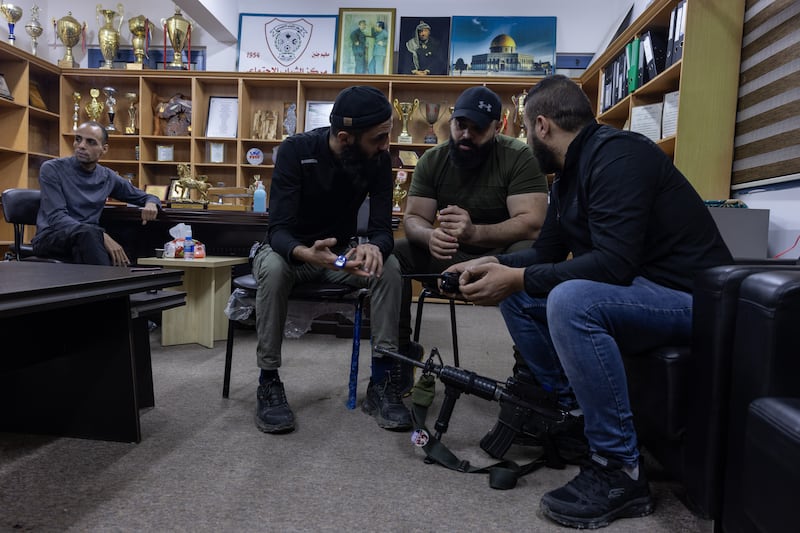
(207,283)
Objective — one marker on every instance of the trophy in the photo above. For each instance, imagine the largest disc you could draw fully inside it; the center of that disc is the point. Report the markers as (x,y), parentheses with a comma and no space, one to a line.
(111,105)
(405,110)
(519,112)
(94,108)
(399,194)
(76,109)
(108,34)
(141,29)
(69,31)
(34,28)
(130,129)
(12,14)
(431,116)
(178,29)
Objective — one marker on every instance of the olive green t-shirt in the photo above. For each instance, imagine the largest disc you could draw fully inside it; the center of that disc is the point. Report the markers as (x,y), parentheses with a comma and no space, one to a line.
(510,169)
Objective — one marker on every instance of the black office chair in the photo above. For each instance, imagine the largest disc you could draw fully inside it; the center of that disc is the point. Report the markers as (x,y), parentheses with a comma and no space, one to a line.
(20,207)
(314,292)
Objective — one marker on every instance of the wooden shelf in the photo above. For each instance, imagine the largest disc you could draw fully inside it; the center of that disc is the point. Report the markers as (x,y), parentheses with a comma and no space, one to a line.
(707,78)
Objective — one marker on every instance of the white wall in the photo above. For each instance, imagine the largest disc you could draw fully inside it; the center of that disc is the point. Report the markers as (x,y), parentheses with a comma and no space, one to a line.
(582,24)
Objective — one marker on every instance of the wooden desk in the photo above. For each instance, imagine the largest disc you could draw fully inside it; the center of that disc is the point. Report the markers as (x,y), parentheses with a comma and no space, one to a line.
(67,365)
(207,283)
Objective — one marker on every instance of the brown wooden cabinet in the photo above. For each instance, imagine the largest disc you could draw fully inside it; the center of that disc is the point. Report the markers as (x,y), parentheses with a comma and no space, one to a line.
(32,134)
(707,79)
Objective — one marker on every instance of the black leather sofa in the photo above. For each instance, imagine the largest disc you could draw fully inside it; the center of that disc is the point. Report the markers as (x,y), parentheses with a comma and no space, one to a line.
(762,471)
(681,395)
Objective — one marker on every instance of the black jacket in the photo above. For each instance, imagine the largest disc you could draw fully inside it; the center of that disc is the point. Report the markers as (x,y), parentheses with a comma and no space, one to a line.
(312,197)
(623,210)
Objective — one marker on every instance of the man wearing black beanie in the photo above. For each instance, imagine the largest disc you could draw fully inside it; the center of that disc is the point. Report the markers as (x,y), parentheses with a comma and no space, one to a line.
(320,180)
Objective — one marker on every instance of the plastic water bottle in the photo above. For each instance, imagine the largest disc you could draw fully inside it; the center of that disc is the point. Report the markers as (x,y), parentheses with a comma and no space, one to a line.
(188,245)
(260,199)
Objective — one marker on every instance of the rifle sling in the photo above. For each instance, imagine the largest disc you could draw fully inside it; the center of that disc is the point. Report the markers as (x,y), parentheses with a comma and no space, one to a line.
(503,475)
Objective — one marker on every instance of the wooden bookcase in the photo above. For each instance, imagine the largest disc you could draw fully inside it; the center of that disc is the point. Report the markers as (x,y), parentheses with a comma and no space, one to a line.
(33,135)
(707,76)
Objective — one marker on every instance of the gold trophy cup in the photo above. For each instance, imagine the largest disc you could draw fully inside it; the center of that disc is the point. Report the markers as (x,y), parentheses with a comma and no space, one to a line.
(34,29)
(140,26)
(178,30)
(431,116)
(130,129)
(519,112)
(12,14)
(405,110)
(69,31)
(108,34)
(399,193)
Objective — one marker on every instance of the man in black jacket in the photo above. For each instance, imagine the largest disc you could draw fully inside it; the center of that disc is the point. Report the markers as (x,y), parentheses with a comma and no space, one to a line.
(637,233)
(321,178)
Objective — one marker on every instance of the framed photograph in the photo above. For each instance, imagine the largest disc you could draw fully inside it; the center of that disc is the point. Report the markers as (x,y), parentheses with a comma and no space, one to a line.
(318,114)
(223,117)
(215,152)
(165,152)
(505,46)
(365,41)
(160,191)
(4,91)
(424,46)
(296,44)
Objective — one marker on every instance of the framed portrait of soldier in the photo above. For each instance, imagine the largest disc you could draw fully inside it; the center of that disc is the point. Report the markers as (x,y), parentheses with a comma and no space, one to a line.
(424,46)
(365,41)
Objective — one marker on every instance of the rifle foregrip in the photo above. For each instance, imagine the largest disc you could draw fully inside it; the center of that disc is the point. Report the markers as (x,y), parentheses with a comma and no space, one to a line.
(470,383)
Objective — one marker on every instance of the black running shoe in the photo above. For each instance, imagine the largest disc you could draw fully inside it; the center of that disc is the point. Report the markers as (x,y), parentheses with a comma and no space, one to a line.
(600,494)
(385,403)
(273,414)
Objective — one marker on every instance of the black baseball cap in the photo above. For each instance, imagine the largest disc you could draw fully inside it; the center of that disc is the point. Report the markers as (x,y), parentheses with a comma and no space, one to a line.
(360,107)
(478,104)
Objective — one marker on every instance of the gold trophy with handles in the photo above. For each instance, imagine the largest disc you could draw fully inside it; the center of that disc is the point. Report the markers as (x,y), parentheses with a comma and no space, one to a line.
(178,29)
(69,32)
(405,110)
(108,34)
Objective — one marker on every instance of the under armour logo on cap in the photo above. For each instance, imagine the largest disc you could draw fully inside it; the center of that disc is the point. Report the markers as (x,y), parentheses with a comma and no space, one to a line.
(478,104)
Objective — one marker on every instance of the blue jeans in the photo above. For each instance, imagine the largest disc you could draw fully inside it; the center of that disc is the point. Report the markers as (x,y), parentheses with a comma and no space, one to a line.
(573,339)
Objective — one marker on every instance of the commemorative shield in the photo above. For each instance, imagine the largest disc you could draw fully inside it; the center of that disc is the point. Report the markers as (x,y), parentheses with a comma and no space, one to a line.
(287,40)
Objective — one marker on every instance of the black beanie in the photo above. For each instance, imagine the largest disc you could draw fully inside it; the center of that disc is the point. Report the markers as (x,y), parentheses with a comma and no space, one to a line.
(360,107)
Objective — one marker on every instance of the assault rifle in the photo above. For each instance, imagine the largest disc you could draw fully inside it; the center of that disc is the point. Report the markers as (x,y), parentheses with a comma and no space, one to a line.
(525,407)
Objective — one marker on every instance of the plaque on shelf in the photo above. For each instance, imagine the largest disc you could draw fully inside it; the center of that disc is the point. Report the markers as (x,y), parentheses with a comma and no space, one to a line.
(216,152)
(4,92)
(165,152)
(255,156)
(35,96)
(408,158)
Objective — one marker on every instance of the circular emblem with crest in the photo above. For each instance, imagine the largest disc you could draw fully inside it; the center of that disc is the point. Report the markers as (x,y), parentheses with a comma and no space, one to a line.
(288,41)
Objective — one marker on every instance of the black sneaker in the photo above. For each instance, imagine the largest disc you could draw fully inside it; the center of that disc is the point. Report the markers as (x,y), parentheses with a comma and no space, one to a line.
(415,351)
(385,403)
(601,493)
(272,410)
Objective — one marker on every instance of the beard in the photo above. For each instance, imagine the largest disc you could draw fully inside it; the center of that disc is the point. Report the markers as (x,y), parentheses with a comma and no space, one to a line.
(472,158)
(355,160)
(546,157)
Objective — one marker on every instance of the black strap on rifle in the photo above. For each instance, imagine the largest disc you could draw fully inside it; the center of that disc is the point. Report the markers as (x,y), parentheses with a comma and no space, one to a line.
(503,475)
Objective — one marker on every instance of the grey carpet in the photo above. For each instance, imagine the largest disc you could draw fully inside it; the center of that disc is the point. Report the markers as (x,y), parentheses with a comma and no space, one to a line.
(203,466)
